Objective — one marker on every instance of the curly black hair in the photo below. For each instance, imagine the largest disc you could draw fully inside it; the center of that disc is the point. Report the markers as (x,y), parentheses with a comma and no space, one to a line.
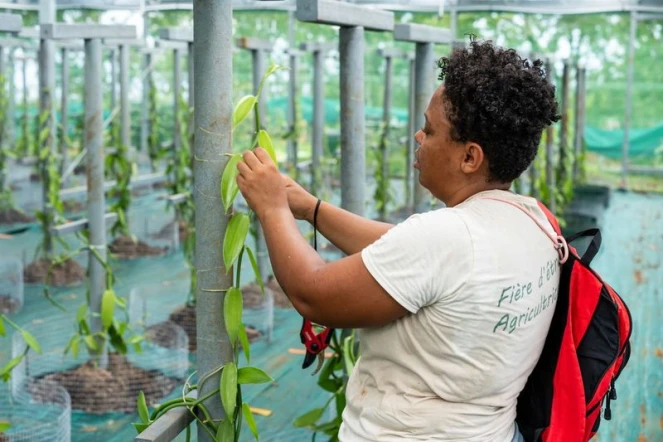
(502,102)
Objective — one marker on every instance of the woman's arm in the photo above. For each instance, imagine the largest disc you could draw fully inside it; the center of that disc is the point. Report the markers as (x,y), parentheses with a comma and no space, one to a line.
(349,232)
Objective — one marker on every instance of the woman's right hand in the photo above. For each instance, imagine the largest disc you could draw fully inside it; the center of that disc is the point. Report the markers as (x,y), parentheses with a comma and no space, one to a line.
(302,203)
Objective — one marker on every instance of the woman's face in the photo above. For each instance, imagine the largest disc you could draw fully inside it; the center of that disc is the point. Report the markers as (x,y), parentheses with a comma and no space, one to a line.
(438,157)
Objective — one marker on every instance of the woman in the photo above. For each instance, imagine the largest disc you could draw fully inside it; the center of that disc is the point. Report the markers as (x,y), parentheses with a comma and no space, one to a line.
(453,305)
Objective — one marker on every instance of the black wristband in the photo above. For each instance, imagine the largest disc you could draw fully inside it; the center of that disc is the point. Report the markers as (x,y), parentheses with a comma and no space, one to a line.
(315,224)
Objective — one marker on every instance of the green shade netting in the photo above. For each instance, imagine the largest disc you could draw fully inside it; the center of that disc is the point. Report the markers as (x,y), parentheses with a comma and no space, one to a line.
(643,143)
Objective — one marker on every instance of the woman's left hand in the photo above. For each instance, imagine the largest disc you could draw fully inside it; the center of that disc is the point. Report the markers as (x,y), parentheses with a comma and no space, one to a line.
(261,183)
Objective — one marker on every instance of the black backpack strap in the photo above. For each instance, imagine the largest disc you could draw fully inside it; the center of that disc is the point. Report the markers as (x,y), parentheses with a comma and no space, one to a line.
(594,245)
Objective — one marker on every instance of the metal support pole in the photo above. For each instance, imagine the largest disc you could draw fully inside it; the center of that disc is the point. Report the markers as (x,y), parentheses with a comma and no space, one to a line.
(213,86)
(423,91)
(386,119)
(125,118)
(409,155)
(353,152)
(550,153)
(46,108)
(3,93)
(25,124)
(113,87)
(96,204)
(144,112)
(564,127)
(292,115)
(629,97)
(177,81)
(64,109)
(11,98)
(318,132)
(258,61)
(190,70)
(579,123)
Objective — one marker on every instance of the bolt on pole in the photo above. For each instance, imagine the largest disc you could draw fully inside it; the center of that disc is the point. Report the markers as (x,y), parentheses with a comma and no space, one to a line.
(96,201)
(213,89)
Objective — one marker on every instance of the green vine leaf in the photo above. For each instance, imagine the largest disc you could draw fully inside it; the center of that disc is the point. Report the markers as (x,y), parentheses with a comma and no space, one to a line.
(228,387)
(5,372)
(265,142)
(250,419)
(252,375)
(246,345)
(107,308)
(91,343)
(309,418)
(141,405)
(139,427)
(4,426)
(31,341)
(243,108)
(80,314)
(256,269)
(3,332)
(232,313)
(226,431)
(233,242)
(229,189)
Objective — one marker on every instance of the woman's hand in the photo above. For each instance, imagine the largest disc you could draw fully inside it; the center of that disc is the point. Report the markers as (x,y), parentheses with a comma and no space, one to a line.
(261,183)
(302,203)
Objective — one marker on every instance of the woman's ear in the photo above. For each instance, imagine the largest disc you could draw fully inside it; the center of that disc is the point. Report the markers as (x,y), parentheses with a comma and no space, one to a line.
(473,158)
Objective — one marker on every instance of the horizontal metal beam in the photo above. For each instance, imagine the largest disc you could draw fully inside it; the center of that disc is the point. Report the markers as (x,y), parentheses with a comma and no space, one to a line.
(141,181)
(169,425)
(649,16)
(318,47)
(337,13)
(11,23)
(115,42)
(15,43)
(178,198)
(395,53)
(177,34)
(29,32)
(170,44)
(417,33)
(645,170)
(86,31)
(78,225)
(253,43)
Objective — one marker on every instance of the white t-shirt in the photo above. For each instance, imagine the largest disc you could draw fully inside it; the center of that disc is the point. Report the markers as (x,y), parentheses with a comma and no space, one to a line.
(480,282)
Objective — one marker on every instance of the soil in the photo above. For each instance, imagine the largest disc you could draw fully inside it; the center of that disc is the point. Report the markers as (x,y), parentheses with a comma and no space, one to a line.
(185,317)
(67,273)
(4,438)
(124,247)
(113,389)
(9,304)
(13,216)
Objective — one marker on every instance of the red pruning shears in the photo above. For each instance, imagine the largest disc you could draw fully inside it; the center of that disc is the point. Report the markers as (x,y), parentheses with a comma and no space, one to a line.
(315,343)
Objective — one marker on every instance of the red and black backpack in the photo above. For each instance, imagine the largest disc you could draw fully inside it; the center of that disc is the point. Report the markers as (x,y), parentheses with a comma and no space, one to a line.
(585,351)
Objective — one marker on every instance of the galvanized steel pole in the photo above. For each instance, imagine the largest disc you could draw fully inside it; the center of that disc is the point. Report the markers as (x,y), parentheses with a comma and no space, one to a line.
(11,98)
(258,59)
(550,153)
(213,88)
(113,87)
(144,112)
(96,201)
(386,119)
(292,114)
(125,120)
(409,155)
(318,132)
(424,71)
(353,152)
(177,81)
(579,123)
(26,112)
(190,70)
(629,97)
(64,109)
(564,127)
(46,105)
